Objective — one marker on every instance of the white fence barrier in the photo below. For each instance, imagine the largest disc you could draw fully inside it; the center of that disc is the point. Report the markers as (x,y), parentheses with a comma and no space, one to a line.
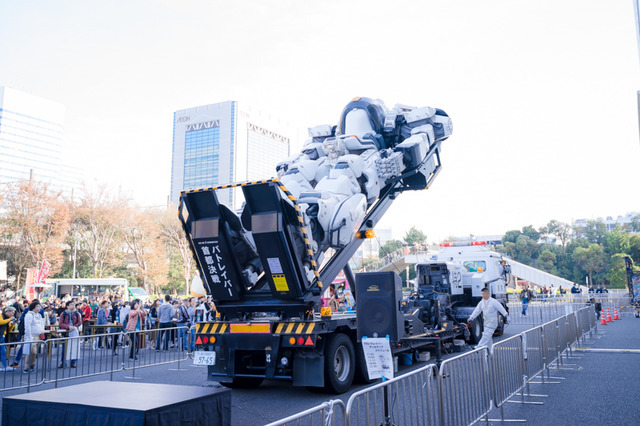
(465,388)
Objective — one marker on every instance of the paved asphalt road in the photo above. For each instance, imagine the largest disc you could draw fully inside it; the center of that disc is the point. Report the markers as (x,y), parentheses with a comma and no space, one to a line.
(600,388)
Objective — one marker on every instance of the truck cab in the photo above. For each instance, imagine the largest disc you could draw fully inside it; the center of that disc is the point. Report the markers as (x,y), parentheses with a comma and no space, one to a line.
(455,277)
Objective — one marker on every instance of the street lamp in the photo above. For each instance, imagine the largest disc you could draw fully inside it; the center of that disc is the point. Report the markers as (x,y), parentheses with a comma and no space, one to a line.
(76,239)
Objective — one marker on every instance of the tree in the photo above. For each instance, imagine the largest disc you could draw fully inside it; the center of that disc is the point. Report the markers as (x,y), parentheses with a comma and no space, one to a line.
(176,242)
(511,236)
(175,280)
(617,241)
(547,261)
(142,235)
(591,260)
(634,247)
(617,271)
(34,226)
(96,231)
(389,247)
(635,223)
(509,248)
(531,232)
(414,236)
(558,229)
(526,249)
(594,232)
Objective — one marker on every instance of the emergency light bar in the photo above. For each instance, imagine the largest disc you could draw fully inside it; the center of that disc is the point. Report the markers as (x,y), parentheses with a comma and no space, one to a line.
(463,243)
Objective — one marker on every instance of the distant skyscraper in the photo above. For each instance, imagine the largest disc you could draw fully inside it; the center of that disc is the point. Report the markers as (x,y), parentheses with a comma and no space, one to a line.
(219,143)
(31,138)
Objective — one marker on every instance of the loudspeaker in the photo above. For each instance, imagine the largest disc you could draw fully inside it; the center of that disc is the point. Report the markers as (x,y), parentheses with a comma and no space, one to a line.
(378,305)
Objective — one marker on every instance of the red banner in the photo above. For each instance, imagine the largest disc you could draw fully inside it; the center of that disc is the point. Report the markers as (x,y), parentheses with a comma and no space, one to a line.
(44,272)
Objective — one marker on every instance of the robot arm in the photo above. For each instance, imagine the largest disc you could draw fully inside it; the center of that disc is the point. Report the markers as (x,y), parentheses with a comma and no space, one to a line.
(418,129)
(342,169)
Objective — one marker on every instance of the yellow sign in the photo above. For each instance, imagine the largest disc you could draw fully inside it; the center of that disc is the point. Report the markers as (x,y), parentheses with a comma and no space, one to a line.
(280,282)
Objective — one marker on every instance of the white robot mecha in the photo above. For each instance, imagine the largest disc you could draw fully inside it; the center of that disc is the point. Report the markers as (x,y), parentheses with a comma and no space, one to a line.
(342,169)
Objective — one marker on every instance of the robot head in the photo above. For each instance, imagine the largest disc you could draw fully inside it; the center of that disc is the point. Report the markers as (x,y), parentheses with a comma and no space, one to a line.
(362,115)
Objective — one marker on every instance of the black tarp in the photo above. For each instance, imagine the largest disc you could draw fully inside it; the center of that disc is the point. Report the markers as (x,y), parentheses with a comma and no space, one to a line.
(120,404)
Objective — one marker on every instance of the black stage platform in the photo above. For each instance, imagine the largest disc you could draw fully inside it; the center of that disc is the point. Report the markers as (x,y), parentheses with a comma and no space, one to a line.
(120,404)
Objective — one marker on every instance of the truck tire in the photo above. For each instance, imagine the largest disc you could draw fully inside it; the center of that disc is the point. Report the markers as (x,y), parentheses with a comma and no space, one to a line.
(500,329)
(243,383)
(476,331)
(339,363)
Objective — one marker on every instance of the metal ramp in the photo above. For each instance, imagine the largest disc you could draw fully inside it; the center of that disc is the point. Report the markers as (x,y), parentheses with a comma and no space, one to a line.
(537,276)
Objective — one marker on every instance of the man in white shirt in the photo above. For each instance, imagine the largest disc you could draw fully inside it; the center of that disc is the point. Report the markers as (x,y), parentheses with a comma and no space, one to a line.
(33,328)
(489,307)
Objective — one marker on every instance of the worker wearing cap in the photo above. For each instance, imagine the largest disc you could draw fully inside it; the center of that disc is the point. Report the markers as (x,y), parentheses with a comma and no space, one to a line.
(489,307)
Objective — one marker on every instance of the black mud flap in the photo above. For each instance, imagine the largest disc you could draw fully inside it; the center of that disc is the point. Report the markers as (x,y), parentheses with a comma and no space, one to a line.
(308,369)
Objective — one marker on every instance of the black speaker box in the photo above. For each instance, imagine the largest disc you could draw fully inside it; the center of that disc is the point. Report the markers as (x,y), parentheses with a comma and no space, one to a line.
(378,305)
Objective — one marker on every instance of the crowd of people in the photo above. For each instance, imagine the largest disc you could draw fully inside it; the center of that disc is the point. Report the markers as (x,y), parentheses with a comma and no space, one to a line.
(26,322)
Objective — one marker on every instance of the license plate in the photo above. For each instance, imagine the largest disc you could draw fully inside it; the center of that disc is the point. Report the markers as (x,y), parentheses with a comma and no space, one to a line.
(204,358)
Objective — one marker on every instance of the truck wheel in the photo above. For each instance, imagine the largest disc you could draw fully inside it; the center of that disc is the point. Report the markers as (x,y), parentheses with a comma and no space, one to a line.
(361,375)
(339,363)
(243,383)
(500,329)
(476,331)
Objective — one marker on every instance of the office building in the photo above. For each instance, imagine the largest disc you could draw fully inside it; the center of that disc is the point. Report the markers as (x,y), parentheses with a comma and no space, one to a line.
(221,143)
(31,140)
(610,223)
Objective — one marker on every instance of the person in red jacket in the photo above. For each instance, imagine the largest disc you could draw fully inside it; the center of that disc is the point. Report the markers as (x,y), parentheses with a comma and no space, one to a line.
(85,310)
(71,320)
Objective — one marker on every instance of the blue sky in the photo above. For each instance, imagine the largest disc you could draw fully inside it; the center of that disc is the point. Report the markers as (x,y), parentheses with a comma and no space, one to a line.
(542,93)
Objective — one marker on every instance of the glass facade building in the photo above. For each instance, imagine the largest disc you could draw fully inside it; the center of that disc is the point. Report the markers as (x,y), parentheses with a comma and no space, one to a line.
(219,143)
(31,140)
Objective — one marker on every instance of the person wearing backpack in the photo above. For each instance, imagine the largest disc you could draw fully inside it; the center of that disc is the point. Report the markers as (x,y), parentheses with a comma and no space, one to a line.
(71,320)
(33,329)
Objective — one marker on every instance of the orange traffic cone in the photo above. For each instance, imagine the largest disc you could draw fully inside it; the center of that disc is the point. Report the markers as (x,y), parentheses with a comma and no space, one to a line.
(603,319)
(615,313)
(608,315)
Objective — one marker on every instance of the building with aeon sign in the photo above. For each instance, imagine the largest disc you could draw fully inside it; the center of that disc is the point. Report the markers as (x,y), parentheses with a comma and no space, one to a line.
(221,143)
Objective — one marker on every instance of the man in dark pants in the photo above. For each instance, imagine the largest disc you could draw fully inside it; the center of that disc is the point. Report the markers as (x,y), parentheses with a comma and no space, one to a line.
(166,313)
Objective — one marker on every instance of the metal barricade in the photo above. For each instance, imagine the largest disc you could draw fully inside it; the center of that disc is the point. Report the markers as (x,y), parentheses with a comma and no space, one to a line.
(533,313)
(170,346)
(540,312)
(562,333)
(573,331)
(409,399)
(323,415)
(507,370)
(463,382)
(74,357)
(464,388)
(26,355)
(533,353)
(549,343)
(67,358)
(582,326)
(592,317)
